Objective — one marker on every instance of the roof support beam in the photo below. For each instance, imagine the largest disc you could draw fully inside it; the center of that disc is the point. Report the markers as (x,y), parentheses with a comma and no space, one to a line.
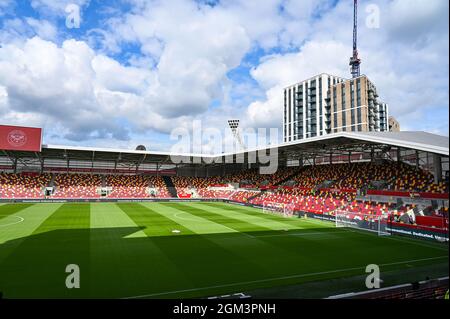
(92,159)
(437,168)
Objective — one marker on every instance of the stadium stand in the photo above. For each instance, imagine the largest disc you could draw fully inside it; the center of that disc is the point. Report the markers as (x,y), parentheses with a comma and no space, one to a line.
(77,186)
(428,289)
(136,186)
(157,183)
(318,189)
(23,185)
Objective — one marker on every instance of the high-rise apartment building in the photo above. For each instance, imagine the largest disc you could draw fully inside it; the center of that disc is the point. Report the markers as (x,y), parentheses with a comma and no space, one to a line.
(306,111)
(355,107)
(329,104)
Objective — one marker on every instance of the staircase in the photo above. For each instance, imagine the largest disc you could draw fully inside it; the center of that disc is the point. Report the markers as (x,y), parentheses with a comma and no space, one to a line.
(52,181)
(170,186)
(295,173)
(325,184)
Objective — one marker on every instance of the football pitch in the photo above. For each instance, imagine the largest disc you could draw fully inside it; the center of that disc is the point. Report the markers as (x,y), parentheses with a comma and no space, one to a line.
(192,249)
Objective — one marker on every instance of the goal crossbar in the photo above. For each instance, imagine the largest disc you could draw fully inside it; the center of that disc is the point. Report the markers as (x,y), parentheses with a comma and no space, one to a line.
(367,222)
(285,210)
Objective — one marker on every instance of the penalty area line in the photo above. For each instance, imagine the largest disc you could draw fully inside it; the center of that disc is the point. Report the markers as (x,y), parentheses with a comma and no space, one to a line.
(279,278)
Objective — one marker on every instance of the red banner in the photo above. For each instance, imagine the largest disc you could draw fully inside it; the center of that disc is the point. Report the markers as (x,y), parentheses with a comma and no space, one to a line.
(17,138)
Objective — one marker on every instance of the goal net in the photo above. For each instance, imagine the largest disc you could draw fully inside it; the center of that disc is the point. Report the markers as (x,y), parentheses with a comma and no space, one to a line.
(367,222)
(285,210)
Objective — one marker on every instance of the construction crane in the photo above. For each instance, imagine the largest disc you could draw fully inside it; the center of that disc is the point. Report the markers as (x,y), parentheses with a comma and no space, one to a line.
(355,61)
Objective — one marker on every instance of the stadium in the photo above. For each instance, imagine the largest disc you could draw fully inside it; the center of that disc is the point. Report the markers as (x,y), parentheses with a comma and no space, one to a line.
(197,153)
(141,224)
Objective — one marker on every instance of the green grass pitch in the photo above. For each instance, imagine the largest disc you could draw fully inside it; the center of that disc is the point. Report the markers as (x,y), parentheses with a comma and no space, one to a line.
(131,250)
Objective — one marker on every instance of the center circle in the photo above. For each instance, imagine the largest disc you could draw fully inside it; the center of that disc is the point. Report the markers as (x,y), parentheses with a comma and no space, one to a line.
(16,220)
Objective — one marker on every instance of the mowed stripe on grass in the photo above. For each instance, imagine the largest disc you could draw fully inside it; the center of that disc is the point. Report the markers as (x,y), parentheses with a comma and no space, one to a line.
(231,219)
(153,221)
(30,217)
(257,212)
(109,215)
(129,249)
(262,253)
(10,209)
(123,258)
(36,267)
(200,257)
(188,219)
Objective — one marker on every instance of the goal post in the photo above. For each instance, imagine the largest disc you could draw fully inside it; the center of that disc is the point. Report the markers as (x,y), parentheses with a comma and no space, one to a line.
(285,210)
(368,222)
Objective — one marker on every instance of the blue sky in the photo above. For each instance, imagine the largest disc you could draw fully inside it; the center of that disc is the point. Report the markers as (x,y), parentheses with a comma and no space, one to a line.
(135,70)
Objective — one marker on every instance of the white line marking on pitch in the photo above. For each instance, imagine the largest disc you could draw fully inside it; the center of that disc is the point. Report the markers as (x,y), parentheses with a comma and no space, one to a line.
(280,278)
(21,219)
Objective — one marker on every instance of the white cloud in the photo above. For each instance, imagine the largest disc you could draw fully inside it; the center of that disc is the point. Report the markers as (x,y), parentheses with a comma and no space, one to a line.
(280,71)
(5,6)
(18,30)
(57,86)
(83,94)
(405,58)
(43,28)
(187,50)
(195,48)
(56,7)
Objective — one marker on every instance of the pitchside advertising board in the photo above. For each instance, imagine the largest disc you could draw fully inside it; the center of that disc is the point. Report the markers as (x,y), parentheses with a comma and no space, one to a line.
(18,138)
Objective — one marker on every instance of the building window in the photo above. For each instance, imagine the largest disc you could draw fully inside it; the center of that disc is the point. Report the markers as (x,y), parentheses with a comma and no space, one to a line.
(334,101)
(343,97)
(358,113)
(290,104)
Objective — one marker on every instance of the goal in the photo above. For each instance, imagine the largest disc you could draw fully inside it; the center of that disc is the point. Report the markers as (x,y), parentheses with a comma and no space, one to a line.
(373,223)
(285,210)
